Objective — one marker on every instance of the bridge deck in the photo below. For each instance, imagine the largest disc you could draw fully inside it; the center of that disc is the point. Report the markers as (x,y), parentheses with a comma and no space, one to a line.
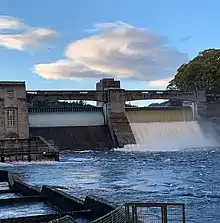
(94,95)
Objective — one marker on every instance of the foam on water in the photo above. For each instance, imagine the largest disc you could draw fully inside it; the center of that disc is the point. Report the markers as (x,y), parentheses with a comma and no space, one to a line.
(171,136)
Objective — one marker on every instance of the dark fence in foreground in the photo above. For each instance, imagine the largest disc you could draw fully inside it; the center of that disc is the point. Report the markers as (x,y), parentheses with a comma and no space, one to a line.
(149,212)
(141,212)
(137,212)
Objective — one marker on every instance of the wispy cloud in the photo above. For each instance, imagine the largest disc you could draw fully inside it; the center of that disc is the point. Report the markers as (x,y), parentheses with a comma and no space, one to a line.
(9,23)
(16,35)
(116,50)
(160,83)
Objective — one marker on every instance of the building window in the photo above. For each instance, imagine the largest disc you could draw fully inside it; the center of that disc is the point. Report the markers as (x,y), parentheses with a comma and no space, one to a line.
(10,93)
(11,117)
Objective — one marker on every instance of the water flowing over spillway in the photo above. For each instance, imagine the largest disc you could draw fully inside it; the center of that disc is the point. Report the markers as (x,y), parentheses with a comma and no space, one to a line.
(170,136)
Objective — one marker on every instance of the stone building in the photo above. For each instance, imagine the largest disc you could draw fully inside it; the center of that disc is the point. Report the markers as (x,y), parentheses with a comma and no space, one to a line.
(13,111)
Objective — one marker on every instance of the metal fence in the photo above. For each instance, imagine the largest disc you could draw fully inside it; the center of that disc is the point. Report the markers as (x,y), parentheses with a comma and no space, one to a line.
(116,216)
(149,212)
(66,219)
(141,212)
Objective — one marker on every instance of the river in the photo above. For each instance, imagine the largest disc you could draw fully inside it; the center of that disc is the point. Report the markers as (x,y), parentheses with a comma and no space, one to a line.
(190,176)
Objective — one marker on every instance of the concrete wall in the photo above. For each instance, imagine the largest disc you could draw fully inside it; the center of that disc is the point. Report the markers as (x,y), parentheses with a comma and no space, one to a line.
(76,138)
(62,200)
(159,114)
(18,185)
(60,119)
(13,97)
(213,108)
(3,175)
(98,206)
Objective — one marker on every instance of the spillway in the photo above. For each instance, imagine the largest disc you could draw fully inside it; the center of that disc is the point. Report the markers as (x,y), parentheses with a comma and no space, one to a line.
(167,130)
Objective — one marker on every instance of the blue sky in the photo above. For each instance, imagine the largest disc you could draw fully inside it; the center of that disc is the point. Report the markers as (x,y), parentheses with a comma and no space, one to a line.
(71,44)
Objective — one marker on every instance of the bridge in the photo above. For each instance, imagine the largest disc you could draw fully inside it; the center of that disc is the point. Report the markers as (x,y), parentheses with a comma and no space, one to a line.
(103,95)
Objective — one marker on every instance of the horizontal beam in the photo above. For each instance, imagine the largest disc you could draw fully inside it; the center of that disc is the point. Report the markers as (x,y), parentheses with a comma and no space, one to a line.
(153,204)
(164,108)
(93,95)
(147,95)
(61,110)
(61,92)
(65,95)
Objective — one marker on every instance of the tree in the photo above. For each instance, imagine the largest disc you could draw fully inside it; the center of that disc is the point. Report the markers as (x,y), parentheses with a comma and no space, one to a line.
(202,72)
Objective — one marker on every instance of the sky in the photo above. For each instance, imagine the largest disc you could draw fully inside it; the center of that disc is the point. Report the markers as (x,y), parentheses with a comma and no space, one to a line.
(72,44)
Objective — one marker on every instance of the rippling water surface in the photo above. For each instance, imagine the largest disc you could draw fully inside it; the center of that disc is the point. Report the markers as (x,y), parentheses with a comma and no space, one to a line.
(191,176)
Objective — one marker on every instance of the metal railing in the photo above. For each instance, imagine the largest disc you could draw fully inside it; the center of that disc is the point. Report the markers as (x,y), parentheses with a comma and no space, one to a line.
(65,219)
(140,212)
(83,108)
(151,212)
(116,216)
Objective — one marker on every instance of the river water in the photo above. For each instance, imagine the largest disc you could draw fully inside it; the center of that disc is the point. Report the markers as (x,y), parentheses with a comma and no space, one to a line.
(190,176)
(161,168)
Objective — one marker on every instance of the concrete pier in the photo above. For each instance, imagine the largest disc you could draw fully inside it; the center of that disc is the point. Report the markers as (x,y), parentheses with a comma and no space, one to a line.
(64,205)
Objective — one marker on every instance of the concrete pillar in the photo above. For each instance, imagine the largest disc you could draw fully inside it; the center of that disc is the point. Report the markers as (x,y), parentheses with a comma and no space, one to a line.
(116,100)
(114,111)
(201,104)
(117,121)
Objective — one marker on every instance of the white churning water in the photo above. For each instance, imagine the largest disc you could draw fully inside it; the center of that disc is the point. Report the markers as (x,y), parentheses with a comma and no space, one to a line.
(171,136)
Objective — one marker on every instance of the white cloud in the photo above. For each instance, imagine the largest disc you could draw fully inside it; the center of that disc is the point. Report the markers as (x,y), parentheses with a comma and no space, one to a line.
(116,50)
(160,83)
(9,22)
(25,37)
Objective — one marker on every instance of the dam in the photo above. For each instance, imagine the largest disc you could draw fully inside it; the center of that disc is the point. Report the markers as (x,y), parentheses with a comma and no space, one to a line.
(87,129)
(152,127)
(71,129)
(109,124)
(168,128)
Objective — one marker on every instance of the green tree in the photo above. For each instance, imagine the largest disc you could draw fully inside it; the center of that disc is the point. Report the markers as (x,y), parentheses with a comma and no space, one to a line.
(202,72)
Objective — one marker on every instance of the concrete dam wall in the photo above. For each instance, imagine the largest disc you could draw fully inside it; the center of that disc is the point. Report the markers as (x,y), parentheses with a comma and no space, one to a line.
(76,137)
(159,114)
(167,128)
(72,118)
(152,127)
(71,129)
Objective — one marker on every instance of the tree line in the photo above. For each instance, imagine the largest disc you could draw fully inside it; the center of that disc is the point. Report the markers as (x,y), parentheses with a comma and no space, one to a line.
(202,72)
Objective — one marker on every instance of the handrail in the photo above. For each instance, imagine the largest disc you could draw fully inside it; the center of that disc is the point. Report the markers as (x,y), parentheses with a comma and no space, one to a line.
(67,217)
(117,210)
(153,204)
(47,143)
